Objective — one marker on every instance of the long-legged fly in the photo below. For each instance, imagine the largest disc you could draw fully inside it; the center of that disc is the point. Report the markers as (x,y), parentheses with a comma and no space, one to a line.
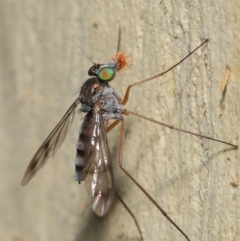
(93,164)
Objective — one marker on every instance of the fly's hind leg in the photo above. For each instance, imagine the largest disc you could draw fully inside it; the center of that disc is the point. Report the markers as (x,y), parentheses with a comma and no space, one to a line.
(120,163)
(109,128)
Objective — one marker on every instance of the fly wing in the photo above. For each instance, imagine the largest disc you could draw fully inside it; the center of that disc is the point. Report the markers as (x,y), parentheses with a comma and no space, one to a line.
(51,144)
(99,181)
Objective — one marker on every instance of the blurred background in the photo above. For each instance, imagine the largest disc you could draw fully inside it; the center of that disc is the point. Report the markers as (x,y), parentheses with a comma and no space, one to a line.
(41,71)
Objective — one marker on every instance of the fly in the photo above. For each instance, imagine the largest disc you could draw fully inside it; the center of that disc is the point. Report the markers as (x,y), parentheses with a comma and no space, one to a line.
(93,164)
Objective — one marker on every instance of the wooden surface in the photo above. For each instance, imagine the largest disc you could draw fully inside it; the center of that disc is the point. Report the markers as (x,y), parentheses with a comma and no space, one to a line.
(191,178)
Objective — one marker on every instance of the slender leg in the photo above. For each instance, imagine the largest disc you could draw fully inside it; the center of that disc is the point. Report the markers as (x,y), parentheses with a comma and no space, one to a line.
(128,112)
(120,158)
(126,96)
(114,124)
(109,128)
(132,215)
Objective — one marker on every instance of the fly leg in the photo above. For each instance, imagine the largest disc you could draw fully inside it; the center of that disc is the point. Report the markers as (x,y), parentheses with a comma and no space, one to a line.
(114,124)
(132,215)
(120,163)
(128,112)
(126,96)
(109,128)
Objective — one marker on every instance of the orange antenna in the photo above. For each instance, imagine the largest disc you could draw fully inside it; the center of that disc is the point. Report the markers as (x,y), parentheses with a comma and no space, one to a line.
(123,59)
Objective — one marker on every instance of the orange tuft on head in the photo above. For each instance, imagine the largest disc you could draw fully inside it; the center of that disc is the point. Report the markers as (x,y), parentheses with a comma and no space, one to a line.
(122,59)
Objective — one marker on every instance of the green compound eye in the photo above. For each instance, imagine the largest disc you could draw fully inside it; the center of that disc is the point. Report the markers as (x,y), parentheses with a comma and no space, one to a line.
(106,74)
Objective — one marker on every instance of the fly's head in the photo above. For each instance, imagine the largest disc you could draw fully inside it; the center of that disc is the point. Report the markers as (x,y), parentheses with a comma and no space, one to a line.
(104,72)
(107,72)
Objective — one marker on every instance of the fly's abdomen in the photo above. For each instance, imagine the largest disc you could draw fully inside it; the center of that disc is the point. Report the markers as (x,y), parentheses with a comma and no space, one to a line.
(84,150)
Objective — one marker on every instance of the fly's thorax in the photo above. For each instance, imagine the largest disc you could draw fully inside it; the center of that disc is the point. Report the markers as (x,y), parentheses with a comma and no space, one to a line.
(110,104)
(93,91)
(90,93)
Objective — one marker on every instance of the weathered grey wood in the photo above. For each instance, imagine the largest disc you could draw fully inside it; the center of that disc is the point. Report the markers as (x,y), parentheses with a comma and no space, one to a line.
(40,70)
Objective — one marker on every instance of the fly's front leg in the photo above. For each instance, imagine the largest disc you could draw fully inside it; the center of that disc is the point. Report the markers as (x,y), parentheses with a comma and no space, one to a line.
(126,96)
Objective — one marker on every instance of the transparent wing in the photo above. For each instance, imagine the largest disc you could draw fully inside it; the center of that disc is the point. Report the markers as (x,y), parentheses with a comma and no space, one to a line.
(51,144)
(99,181)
